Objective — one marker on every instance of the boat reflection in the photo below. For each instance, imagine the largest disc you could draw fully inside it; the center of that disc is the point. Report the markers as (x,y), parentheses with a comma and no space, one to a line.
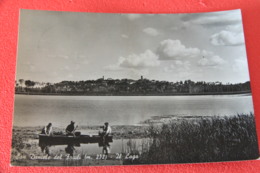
(70,145)
(105,147)
(45,148)
(70,149)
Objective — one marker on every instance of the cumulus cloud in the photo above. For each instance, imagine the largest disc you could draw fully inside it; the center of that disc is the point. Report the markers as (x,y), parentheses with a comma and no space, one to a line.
(151,31)
(134,61)
(174,50)
(132,16)
(180,57)
(146,59)
(232,36)
(211,61)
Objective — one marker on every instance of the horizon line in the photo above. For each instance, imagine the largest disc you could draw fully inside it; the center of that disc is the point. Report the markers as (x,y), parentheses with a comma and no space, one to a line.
(141,78)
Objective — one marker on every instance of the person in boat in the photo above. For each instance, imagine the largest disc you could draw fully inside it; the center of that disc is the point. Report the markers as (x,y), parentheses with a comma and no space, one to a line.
(47,130)
(70,130)
(106,130)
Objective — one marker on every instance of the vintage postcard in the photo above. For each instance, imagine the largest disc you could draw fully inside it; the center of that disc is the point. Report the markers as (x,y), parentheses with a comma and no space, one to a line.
(97,89)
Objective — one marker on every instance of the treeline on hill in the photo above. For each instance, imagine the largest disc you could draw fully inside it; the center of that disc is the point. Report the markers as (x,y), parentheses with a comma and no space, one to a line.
(129,87)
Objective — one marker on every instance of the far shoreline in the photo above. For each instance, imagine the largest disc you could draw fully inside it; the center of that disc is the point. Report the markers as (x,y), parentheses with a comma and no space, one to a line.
(134,94)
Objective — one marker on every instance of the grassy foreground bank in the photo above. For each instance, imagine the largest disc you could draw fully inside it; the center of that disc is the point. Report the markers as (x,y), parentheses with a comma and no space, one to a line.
(203,140)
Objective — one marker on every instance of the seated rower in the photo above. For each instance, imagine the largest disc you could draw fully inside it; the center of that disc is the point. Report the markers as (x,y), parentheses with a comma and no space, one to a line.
(47,130)
(70,130)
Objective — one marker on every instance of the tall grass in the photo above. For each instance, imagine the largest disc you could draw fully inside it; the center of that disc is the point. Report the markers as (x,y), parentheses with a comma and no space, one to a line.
(203,140)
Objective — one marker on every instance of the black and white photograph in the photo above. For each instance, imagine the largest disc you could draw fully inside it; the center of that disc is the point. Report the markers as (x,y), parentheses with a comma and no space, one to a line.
(95,89)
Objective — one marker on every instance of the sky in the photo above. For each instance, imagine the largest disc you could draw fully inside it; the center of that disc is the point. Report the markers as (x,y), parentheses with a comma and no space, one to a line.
(58,46)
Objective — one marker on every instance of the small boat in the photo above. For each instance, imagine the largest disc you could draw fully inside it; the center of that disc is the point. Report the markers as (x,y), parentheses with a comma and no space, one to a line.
(64,139)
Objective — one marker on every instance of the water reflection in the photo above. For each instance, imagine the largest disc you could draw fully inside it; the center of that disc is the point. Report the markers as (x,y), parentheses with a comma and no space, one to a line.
(45,148)
(70,149)
(103,146)
(118,146)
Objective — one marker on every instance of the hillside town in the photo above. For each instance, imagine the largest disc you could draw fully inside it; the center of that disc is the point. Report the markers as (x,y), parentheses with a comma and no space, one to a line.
(142,86)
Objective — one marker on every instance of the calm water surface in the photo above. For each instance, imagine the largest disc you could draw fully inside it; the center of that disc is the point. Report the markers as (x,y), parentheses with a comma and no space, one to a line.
(117,146)
(32,110)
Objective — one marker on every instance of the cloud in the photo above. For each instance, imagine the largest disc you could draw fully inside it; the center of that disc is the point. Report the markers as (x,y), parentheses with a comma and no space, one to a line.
(214,18)
(134,64)
(174,50)
(133,61)
(211,61)
(132,16)
(240,65)
(146,59)
(232,36)
(180,57)
(151,31)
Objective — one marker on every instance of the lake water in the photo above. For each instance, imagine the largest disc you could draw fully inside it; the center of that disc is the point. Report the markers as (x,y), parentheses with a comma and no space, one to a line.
(117,146)
(33,110)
